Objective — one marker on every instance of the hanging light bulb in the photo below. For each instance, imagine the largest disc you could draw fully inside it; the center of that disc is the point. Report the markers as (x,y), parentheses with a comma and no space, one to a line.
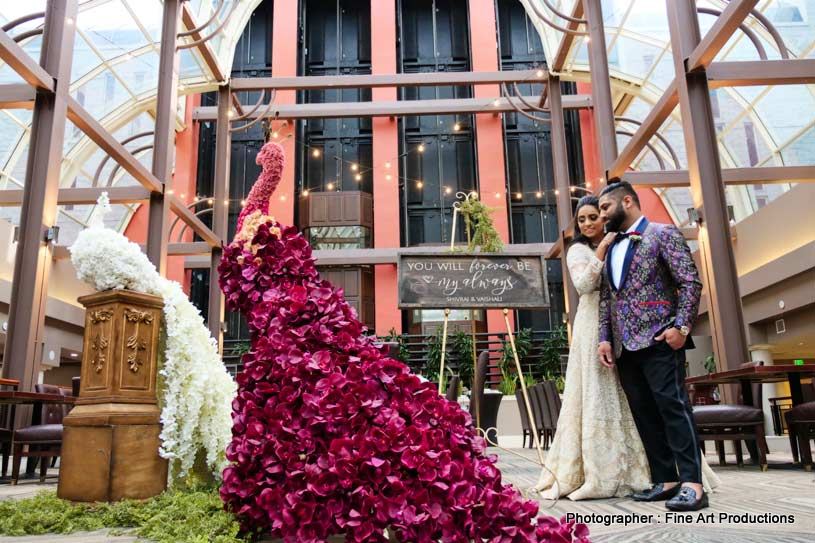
(420,148)
(419,184)
(315,153)
(305,193)
(209,201)
(330,186)
(456,127)
(354,167)
(358,177)
(448,190)
(538,194)
(519,196)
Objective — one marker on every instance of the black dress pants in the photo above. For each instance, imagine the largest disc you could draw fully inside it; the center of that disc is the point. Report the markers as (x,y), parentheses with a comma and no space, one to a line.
(654,383)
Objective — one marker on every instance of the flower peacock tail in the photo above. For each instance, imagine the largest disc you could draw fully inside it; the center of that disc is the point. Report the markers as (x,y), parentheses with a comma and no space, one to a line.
(330,436)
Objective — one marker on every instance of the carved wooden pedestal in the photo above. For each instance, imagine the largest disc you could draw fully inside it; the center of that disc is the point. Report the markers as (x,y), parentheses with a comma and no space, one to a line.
(111,438)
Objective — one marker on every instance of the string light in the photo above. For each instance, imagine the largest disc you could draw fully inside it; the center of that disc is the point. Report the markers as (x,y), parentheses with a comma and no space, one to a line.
(305,193)
(497,194)
(330,186)
(169,192)
(243,203)
(420,148)
(538,194)
(358,177)
(230,114)
(275,134)
(539,73)
(388,177)
(497,102)
(557,192)
(448,190)
(354,167)
(387,165)
(571,189)
(586,39)
(69,21)
(315,153)
(283,198)
(519,196)
(456,127)
(419,184)
(183,196)
(209,201)
(226,202)
(196,199)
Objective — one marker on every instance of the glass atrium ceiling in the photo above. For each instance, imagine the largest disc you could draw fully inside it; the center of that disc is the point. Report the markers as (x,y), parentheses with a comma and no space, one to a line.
(757,126)
(115,66)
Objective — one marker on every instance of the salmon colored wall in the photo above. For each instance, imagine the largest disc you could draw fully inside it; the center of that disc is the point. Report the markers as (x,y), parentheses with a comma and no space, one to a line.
(184,184)
(489,129)
(652,205)
(284,63)
(385,150)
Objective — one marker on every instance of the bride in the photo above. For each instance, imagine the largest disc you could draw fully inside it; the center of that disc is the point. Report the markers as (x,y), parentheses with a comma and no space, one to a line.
(597,452)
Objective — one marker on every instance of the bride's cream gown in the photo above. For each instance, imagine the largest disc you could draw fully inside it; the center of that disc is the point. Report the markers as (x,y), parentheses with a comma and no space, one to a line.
(596,452)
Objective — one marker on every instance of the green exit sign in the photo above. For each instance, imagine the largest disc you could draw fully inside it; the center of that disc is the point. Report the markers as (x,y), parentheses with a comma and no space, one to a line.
(799,362)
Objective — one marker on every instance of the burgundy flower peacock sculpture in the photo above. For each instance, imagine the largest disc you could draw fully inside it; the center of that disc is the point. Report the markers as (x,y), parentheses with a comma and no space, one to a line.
(330,435)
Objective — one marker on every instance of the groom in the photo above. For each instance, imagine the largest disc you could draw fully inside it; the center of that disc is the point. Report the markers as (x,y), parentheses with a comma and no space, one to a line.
(648,302)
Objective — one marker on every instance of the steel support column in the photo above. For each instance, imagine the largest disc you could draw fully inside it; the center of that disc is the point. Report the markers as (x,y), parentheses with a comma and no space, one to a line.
(220,212)
(600,84)
(560,160)
(38,213)
(158,232)
(718,265)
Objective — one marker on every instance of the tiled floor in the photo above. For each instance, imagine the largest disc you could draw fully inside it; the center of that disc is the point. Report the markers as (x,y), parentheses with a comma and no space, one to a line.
(744,491)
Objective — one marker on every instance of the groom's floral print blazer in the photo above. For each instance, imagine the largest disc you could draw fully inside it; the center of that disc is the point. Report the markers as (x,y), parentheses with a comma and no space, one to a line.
(660,287)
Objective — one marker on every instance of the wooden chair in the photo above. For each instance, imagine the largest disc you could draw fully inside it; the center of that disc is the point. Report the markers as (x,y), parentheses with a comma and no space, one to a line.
(452,388)
(43,441)
(801,426)
(554,402)
(736,422)
(526,428)
(7,414)
(540,409)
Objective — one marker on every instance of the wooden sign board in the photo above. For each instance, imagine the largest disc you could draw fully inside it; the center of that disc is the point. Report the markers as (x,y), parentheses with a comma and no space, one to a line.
(472,281)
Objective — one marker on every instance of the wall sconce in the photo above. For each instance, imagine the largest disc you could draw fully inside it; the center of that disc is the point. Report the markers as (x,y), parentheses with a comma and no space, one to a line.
(52,235)
(694,217)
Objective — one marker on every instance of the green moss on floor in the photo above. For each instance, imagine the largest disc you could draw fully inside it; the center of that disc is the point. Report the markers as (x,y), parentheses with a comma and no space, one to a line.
(180,516)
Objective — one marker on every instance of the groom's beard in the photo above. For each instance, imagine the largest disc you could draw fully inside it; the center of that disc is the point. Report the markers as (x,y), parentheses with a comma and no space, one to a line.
(614,222)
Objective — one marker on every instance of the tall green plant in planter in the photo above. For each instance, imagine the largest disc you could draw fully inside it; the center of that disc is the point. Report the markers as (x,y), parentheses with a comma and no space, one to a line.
(523,345)
(433,363)
(551,350)
(479,226)
(462,344)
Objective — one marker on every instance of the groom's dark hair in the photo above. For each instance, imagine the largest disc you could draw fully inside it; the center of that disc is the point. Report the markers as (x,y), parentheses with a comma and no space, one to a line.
(623,188)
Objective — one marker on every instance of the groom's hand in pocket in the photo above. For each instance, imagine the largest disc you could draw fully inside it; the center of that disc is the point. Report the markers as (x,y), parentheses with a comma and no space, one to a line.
(673,337)
(606,354)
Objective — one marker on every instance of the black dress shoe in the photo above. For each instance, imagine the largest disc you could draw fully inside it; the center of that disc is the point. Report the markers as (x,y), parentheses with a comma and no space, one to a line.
(656,493)
(687,500)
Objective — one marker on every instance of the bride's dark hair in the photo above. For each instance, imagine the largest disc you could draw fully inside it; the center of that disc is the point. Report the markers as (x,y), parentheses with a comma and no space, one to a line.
(589,200)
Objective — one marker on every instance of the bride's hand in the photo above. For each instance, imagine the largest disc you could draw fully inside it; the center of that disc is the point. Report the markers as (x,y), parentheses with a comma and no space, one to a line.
(606,354)
(606,242)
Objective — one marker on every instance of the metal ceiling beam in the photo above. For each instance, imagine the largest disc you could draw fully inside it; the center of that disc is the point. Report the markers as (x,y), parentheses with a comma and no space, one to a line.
(568,39)
(661,110)
(190,219)
(600,84)
(193,248)
(21,62)
(761,72)
(96,132)
(431,79)
(38,212)
(726,24)
(17,96)
(399,108)
(220,213)
(204,48)
(730,176)
(82,196)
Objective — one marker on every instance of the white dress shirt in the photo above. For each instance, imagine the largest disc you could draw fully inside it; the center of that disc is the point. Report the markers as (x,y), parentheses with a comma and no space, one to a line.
(618,252)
